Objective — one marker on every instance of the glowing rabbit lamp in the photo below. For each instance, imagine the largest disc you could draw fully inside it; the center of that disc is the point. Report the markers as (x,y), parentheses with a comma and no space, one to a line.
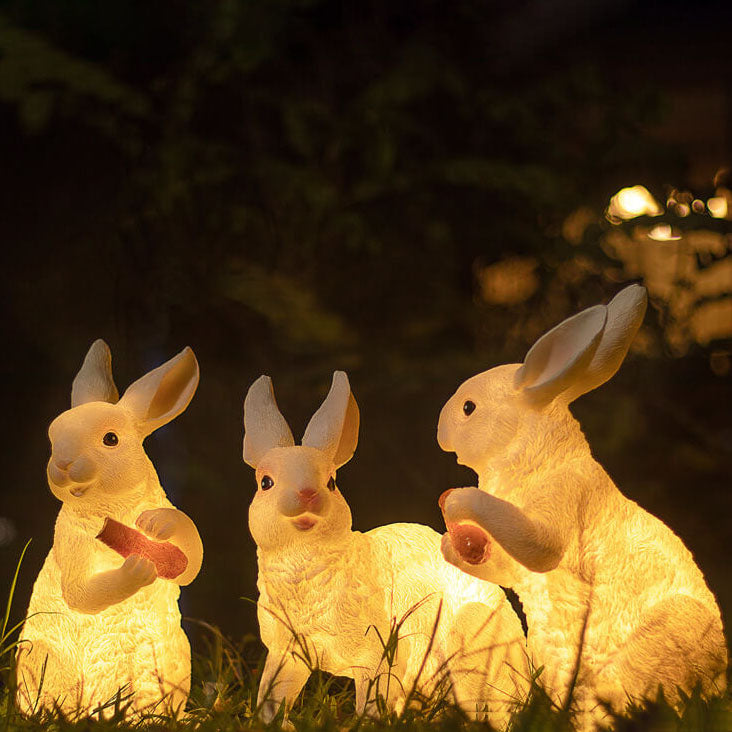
(103,618)
(629,203)
(599,578)
(329,595)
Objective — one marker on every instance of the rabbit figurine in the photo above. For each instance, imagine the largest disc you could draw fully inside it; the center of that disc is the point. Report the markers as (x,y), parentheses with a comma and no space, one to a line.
(611,594)
(100,627)
(330,597)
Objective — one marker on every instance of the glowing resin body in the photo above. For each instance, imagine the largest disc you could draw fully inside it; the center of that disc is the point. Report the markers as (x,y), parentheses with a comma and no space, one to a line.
(98,624)
(330,596)
(578,553)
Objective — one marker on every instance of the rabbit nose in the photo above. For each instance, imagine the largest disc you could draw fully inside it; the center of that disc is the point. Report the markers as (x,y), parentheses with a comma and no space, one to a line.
(63,463)
(307,495)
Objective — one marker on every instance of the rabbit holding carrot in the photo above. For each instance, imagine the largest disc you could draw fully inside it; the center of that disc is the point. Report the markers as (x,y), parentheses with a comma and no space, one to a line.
(103,622)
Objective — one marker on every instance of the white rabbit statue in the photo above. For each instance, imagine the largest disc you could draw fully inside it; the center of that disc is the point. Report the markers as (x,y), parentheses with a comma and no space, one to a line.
(329,596)
(100,626)
(610,593)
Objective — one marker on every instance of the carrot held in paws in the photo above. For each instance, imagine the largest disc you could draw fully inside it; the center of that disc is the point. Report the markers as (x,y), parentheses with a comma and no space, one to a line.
(169,561)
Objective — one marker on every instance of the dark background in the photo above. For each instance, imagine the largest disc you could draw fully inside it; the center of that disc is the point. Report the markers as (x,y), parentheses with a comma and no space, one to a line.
(295,186)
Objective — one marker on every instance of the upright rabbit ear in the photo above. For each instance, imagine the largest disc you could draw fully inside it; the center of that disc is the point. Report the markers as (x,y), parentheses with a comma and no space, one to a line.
(163,393)
(555,360)
(624,316)
(94,382)
(264,425)
(582,352)
(334,427)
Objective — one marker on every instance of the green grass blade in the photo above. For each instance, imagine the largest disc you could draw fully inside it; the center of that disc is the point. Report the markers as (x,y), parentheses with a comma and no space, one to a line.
(12,589)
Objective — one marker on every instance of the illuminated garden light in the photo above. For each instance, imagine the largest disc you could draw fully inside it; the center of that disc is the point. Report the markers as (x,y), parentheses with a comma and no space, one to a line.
(103,620)
(388,584)
(602,582)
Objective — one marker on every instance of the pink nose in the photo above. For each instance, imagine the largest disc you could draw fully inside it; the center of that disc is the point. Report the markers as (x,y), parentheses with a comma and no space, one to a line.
(62,464)
(307,495)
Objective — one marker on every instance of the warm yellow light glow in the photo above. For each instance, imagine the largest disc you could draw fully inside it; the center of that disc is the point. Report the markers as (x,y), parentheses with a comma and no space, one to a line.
(663,232)
(629,203)
(557,530)
(103,620)
(509,282)
(682,210)
(331,597)
(717,207)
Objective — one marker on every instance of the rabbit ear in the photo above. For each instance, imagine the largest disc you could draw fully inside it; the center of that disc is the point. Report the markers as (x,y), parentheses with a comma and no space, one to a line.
(94,382)
(554,361)
(624,316)
(163,393)
(334,427)
(264,425)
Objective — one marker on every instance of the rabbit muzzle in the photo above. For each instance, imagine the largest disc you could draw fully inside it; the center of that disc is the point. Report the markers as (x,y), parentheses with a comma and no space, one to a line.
(75,474)
(443,432)
(295,504)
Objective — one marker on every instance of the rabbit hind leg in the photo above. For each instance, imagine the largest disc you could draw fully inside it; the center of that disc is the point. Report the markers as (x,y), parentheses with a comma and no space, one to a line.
(487,662)
(679,644)
(48,679)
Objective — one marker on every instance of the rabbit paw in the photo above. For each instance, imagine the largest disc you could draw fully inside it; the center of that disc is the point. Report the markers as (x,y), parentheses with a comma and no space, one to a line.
(461,504)
(471,542)
(451,555)
(158,523)
(138,571)
(269,711)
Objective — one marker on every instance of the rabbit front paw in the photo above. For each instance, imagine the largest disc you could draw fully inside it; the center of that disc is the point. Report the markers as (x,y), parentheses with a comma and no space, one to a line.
(158,523)
(470,541)
(138,572)
(451,556)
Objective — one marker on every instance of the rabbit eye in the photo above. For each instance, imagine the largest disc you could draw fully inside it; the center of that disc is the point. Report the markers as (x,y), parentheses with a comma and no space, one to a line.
(331,483)
(266,483)
(110,439)
(468,408)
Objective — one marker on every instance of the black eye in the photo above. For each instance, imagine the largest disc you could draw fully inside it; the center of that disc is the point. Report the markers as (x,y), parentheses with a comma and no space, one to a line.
(266,483)
(110,439)
(468,408)
(331,484)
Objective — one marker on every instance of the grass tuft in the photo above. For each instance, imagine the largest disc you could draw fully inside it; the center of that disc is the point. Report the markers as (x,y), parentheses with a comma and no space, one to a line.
(224,698)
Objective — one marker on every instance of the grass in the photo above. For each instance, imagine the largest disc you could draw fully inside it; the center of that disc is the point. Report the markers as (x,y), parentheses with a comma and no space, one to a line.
(224,693)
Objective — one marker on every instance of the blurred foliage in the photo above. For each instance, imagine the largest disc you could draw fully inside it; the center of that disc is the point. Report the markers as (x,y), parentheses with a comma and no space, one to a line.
(310,139)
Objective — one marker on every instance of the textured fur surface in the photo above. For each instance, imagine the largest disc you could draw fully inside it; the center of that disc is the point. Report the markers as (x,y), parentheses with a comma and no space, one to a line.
(330,597)
(99,625)
(611,594)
